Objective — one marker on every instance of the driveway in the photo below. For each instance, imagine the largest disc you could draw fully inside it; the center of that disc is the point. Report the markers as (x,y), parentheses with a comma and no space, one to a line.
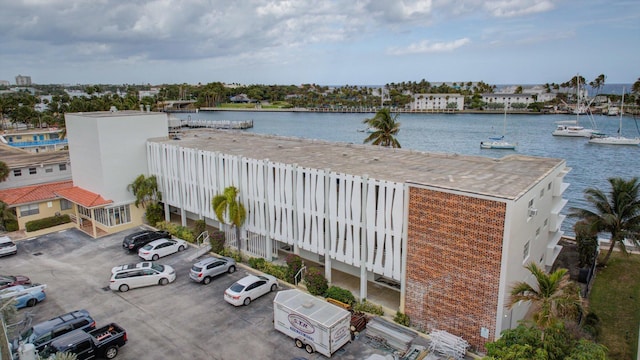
(183,320)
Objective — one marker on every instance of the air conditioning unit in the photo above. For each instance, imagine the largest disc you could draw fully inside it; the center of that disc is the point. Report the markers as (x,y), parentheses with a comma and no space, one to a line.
(533,212)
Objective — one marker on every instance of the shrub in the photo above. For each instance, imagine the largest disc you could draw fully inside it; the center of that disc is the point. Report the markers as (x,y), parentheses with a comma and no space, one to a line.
(368,307)
(11,225)
(257,263)
(316,282)
(591,325)
(154,213)
(402,319)
(199,226)
(217,239)
(179,231)
(294,264)
(48,222)
(234,254)
(341,294)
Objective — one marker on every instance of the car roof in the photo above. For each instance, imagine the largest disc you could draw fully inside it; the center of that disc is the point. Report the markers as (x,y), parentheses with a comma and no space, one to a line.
(65,341)
(248,280)
(211,259)
(159,241)
(62,319)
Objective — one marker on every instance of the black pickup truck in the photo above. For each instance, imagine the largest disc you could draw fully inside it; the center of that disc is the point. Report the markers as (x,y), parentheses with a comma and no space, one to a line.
(101,343)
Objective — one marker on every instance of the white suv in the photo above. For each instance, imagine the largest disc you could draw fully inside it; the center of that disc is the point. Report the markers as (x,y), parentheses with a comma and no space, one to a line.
(131,276)
(7,247)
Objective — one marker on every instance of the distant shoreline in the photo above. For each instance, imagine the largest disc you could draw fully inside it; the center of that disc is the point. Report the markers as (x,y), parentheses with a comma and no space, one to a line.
(327,111)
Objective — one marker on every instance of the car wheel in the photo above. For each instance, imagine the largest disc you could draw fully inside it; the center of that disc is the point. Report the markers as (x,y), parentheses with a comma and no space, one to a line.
(299,343)
(164,281)
(247,301)
(309,348)
(274,287)
(181,248)
(32,302)
(111,352)
(155,257)
(206,280)
(232,269)
(123,288)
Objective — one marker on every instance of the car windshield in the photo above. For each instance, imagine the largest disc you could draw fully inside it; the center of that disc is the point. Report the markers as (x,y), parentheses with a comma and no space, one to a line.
(147,247)
(157,267)
(6,244)
(236,287)
(27,335)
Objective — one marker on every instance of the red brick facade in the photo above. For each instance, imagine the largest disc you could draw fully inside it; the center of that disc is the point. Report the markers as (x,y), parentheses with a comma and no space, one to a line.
(454,250)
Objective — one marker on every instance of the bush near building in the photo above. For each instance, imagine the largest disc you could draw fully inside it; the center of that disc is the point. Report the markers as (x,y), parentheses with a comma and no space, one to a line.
(48,222)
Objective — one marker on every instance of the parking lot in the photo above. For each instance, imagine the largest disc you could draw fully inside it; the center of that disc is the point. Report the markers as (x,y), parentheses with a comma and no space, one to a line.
(182,320)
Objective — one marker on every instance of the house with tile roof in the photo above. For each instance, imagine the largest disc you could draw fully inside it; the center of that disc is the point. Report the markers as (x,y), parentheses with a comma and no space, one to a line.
(29,168)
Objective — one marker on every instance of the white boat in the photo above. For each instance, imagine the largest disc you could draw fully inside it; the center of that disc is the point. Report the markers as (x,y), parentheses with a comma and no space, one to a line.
(618,139)
(572,128)
(613,111)
(499,143)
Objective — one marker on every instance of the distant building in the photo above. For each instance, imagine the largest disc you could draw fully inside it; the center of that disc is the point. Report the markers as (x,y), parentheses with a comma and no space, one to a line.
(35,140)
(22,80)
(4,83)
(437,102)
(148,93)
(508,99)
(28,168)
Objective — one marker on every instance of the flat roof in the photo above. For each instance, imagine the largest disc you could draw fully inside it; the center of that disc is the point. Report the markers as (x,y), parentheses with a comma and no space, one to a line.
(117,113)
(19,158)
(508,177)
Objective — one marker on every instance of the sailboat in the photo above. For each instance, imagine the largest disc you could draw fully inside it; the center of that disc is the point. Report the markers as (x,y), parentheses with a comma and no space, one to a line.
(619,139)
(499,142)
(572,128)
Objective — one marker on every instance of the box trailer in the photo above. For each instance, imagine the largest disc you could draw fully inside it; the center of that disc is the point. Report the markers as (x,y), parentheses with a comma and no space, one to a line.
(313,323)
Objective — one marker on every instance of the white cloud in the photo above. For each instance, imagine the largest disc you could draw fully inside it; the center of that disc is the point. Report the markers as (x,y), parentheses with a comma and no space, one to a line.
(426,46)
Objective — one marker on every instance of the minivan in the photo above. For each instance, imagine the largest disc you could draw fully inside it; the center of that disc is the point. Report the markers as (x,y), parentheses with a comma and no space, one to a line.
(41,334)
(142,274)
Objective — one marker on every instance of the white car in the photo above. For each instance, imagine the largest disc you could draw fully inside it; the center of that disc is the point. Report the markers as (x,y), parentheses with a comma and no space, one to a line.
(249,288)
(7,247)
(162,247)
(125,277)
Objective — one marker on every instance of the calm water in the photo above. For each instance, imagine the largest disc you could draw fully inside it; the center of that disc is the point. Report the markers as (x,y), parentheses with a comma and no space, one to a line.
(591,164)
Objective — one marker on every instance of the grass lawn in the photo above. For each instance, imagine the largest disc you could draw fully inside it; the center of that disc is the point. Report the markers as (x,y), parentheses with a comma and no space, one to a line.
(615,298)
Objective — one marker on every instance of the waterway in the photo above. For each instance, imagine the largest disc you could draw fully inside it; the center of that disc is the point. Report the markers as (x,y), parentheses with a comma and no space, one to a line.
(591,164)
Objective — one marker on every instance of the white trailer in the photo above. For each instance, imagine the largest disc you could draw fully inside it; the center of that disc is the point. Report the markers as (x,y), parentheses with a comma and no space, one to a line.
(314,324)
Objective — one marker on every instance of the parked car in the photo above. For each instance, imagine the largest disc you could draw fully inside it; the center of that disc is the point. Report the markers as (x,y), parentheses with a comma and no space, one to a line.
(13,280)
(207,268)
(249,288)
(139,239)
(25,295)
(100,343)
(7,246)
(145,274)
(162,247)
(41,334)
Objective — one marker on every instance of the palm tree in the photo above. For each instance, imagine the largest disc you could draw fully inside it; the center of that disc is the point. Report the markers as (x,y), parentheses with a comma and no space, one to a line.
(385,129)
(617,213)
(227,204)
(145,189)
(553,296)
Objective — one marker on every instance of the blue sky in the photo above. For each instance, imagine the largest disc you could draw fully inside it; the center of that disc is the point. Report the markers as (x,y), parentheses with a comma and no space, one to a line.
(354,42)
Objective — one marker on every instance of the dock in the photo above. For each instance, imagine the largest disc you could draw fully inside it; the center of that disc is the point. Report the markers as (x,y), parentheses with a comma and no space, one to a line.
(217,124)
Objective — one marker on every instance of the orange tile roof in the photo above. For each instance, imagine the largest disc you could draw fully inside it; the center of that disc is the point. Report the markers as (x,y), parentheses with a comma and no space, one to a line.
(83,197)
(52,191)
(33,193)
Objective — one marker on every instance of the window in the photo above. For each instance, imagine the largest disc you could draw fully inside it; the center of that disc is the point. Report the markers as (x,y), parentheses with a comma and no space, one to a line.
(63,167)
(65,204)
(549,187)
(33,171)
(114,216)
(48,169)
(17,172)
(525,251)
(531,203)
(31,209)
(541,193)
(546,221)
(538,232)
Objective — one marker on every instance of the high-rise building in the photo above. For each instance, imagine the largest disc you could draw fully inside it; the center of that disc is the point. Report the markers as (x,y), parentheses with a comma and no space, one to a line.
(22,80)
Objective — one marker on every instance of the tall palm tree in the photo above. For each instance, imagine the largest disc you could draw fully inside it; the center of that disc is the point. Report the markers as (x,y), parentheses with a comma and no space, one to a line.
(617,213)
(553,296)
(385,128)
(227,207)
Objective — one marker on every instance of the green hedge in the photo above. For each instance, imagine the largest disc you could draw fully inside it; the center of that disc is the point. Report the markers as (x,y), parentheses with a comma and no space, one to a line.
(45,223)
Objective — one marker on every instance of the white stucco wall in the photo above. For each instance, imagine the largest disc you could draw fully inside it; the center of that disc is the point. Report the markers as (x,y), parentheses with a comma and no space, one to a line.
(108,149)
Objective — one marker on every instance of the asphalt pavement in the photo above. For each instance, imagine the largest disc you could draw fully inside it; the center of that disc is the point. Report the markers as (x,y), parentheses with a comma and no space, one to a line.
(182,320)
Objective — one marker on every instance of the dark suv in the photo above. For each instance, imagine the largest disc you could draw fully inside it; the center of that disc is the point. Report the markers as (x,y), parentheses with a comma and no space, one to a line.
(139,239)
(41,334)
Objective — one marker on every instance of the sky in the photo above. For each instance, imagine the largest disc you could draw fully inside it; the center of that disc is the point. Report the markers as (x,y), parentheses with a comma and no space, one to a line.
(339,42)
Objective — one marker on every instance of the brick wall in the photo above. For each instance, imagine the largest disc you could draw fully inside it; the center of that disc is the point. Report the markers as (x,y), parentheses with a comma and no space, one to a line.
(454,249)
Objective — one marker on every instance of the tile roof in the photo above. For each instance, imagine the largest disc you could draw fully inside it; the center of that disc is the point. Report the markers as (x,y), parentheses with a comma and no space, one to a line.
(83,197)
(33,193)
(52,191)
